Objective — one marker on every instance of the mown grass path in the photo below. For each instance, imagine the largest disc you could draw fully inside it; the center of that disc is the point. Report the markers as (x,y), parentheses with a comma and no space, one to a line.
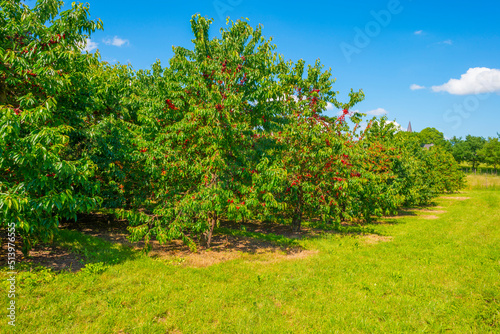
(428,275)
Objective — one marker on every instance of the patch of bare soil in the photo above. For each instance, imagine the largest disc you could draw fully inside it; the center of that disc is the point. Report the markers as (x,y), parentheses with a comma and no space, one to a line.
(99,225)
(209,257)
(49,256)
(430,217)
(222,248)
(274,228)
(433,211)
(457,198)
(302,254)
(219,244)
(55,258)
(373,239)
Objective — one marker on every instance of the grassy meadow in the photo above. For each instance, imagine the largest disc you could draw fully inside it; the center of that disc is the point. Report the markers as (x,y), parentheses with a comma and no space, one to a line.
(483,181)
(434,269)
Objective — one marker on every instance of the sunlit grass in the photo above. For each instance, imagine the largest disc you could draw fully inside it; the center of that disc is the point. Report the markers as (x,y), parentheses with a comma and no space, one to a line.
(483,181)
(436,271)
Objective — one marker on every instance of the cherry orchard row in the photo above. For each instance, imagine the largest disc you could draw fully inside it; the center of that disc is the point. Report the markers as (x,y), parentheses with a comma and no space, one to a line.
(228,130)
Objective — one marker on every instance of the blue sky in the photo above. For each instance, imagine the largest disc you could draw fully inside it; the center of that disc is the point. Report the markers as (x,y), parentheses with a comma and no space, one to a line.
(436,64)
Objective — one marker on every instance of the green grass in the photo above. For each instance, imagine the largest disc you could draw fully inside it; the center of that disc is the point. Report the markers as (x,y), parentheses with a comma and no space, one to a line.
(434,275)
(485,181)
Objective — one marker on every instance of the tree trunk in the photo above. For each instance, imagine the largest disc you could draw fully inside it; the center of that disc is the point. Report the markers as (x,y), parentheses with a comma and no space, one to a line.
(342,211)
(213,221)
(297,217)
(213,215)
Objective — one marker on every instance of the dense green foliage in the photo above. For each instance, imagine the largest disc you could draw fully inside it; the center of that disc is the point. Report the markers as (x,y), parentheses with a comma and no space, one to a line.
(490,152)
(472,150)
(433,136)
(227,131)
(467,150)
(44,91)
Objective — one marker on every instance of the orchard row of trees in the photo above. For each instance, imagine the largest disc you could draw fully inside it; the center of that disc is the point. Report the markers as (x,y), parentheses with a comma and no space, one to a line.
(472,150)
(229,130)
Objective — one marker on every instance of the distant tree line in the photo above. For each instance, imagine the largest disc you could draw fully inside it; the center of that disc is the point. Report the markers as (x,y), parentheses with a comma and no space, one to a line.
(472,150)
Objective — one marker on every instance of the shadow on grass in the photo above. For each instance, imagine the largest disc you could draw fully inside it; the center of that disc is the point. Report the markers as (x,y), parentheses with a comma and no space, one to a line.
(344,228)
(94,249)
(281,233)
(72,249)
(102,239)
(97,237)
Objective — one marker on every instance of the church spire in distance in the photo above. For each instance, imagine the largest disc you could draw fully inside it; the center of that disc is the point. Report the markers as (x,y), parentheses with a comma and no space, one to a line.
(409,128)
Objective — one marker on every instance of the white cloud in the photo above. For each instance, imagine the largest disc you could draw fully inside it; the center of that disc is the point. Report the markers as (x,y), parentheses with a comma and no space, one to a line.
(418,32)
(416,87)
(447,42)
(116,41)
(377,112)
(362,126)
(89,46)
(477,80)
(329,106)
(396,125)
